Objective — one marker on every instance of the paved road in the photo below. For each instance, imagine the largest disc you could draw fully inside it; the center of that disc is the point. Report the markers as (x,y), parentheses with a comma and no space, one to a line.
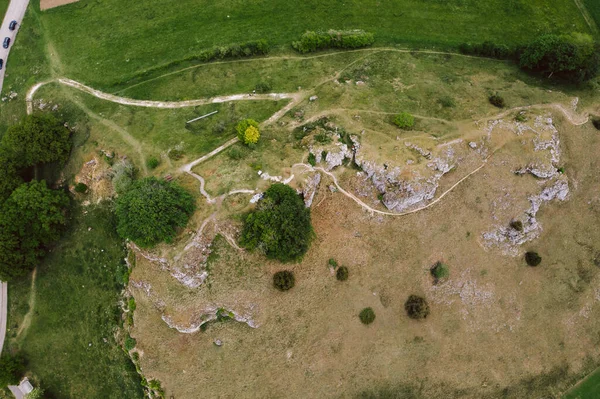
(16,12)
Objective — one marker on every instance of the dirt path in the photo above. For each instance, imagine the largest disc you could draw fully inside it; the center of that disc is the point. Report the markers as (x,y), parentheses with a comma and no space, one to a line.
(32,296)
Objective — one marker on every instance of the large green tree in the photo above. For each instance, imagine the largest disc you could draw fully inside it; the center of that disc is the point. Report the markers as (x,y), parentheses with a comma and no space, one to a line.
(31,219)
(152,210)
(575,57)
(279,226)
(11,370)
(37,139)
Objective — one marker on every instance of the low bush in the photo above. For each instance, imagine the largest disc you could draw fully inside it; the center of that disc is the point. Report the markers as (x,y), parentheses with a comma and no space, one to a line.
(416,307)
(262,87)
(129,343)
(122,173)
(487,49)
(152,162)
(439,271)
(447,102)
(312,159)
(404,120)
(367,316)
(247,131)
(596,123)
(219,128)
(517,225)
(332,262)
(342,273)
(81,188)
(284,280)
(322,138)
(176,154)
(312,41)
(533,258)
(236,153)
(11,370)
(497,101)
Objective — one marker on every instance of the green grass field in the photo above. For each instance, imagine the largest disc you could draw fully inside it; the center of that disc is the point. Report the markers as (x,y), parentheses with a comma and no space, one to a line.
(70,345)
(101,43)
(593,7)
(589,388)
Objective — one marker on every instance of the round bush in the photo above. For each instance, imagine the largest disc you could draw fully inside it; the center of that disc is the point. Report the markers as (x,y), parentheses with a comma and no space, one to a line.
(367,316)
(284,280)
(416,307)
(152,162)
(81,188)
(532,258)
(342,273)
(440,271)
(517,225)
(497,101)
(245,134)
(404,120)
(596,123)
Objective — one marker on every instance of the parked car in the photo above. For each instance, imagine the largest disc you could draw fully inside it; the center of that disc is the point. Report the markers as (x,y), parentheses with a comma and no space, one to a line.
(6,42)
(12,25)
(1,63)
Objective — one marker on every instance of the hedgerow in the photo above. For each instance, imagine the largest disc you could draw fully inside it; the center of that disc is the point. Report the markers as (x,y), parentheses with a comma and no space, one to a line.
(312,41)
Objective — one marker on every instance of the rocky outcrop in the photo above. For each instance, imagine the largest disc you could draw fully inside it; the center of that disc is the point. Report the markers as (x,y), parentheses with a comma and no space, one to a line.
(310,189)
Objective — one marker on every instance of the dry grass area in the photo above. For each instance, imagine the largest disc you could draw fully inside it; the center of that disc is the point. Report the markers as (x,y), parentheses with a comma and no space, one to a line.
(494,322)
(47,4)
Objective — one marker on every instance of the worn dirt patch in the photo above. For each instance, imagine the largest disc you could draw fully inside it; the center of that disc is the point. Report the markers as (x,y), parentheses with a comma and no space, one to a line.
(47,4)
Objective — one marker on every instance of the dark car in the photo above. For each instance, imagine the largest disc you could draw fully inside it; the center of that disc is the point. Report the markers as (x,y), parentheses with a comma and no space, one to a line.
(6,42)
(1,63)
(12,25)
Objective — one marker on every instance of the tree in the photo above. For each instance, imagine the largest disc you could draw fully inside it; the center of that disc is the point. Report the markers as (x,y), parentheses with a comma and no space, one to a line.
(279,226)
(30,220)
(245,134)
(152,210)
(284,280)
(575,57)
(416,307)
(404,120)
(342,273)
(367,316)
(533,258)
(9,176)
(11,370)
(36,140)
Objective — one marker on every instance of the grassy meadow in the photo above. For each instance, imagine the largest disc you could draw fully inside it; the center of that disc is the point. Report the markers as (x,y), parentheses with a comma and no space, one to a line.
(103,42)
(70,344)
(589,388)
(593,8)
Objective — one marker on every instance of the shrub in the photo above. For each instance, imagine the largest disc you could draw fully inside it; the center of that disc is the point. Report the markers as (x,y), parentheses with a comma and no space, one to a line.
(404,120)
(11,370)
(245,134)
(312,41)
(129,343)
(36,393)
(284,280)
(342,273)
(367,316)
(152,210)
(332,262)
(517,225)
(596,123)
(487,49)
(176,154)
(574,57)
(122,176)
(262,87)
(236,153)
(152,162)
(416,307)
(279,226)
(533,258)
(520,117)
(440,271)
(497,101)
(81,187)
(312,159)
(447,102)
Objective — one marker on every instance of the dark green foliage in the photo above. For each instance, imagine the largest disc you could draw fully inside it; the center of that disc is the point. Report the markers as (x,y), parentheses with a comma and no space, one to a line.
(131,304)
(301,131)
(322,138)
(367,316)
(129,343)
(416,307)
(521,116)
(81,188)
(439,271)
(284,280)
(575,57)
(224,314)
(237,153)
(332,262)
(313,41)
(37,139)
(487,49)
(342,273)
(279,226)
(312,160)
(533,258)
(404,120)
(596,123)
(9,177)
(497,101)
(11,370)
(30,220)
(152,162)
(517,225)
(262,87)
(447,102)
(152,210)
(176,154)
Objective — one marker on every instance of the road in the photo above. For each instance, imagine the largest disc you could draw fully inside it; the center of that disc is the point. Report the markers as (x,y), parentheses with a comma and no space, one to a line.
(15,12)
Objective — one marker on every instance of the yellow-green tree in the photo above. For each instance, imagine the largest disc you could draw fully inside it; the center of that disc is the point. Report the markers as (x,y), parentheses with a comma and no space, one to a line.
(247,131)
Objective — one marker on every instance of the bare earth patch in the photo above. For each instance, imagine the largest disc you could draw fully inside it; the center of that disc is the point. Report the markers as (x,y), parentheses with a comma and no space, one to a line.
(47,4)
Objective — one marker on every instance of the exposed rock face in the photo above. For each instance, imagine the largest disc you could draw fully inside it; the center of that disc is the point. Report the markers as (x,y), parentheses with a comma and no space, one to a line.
(509,239)
(207,315)
(310,189)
